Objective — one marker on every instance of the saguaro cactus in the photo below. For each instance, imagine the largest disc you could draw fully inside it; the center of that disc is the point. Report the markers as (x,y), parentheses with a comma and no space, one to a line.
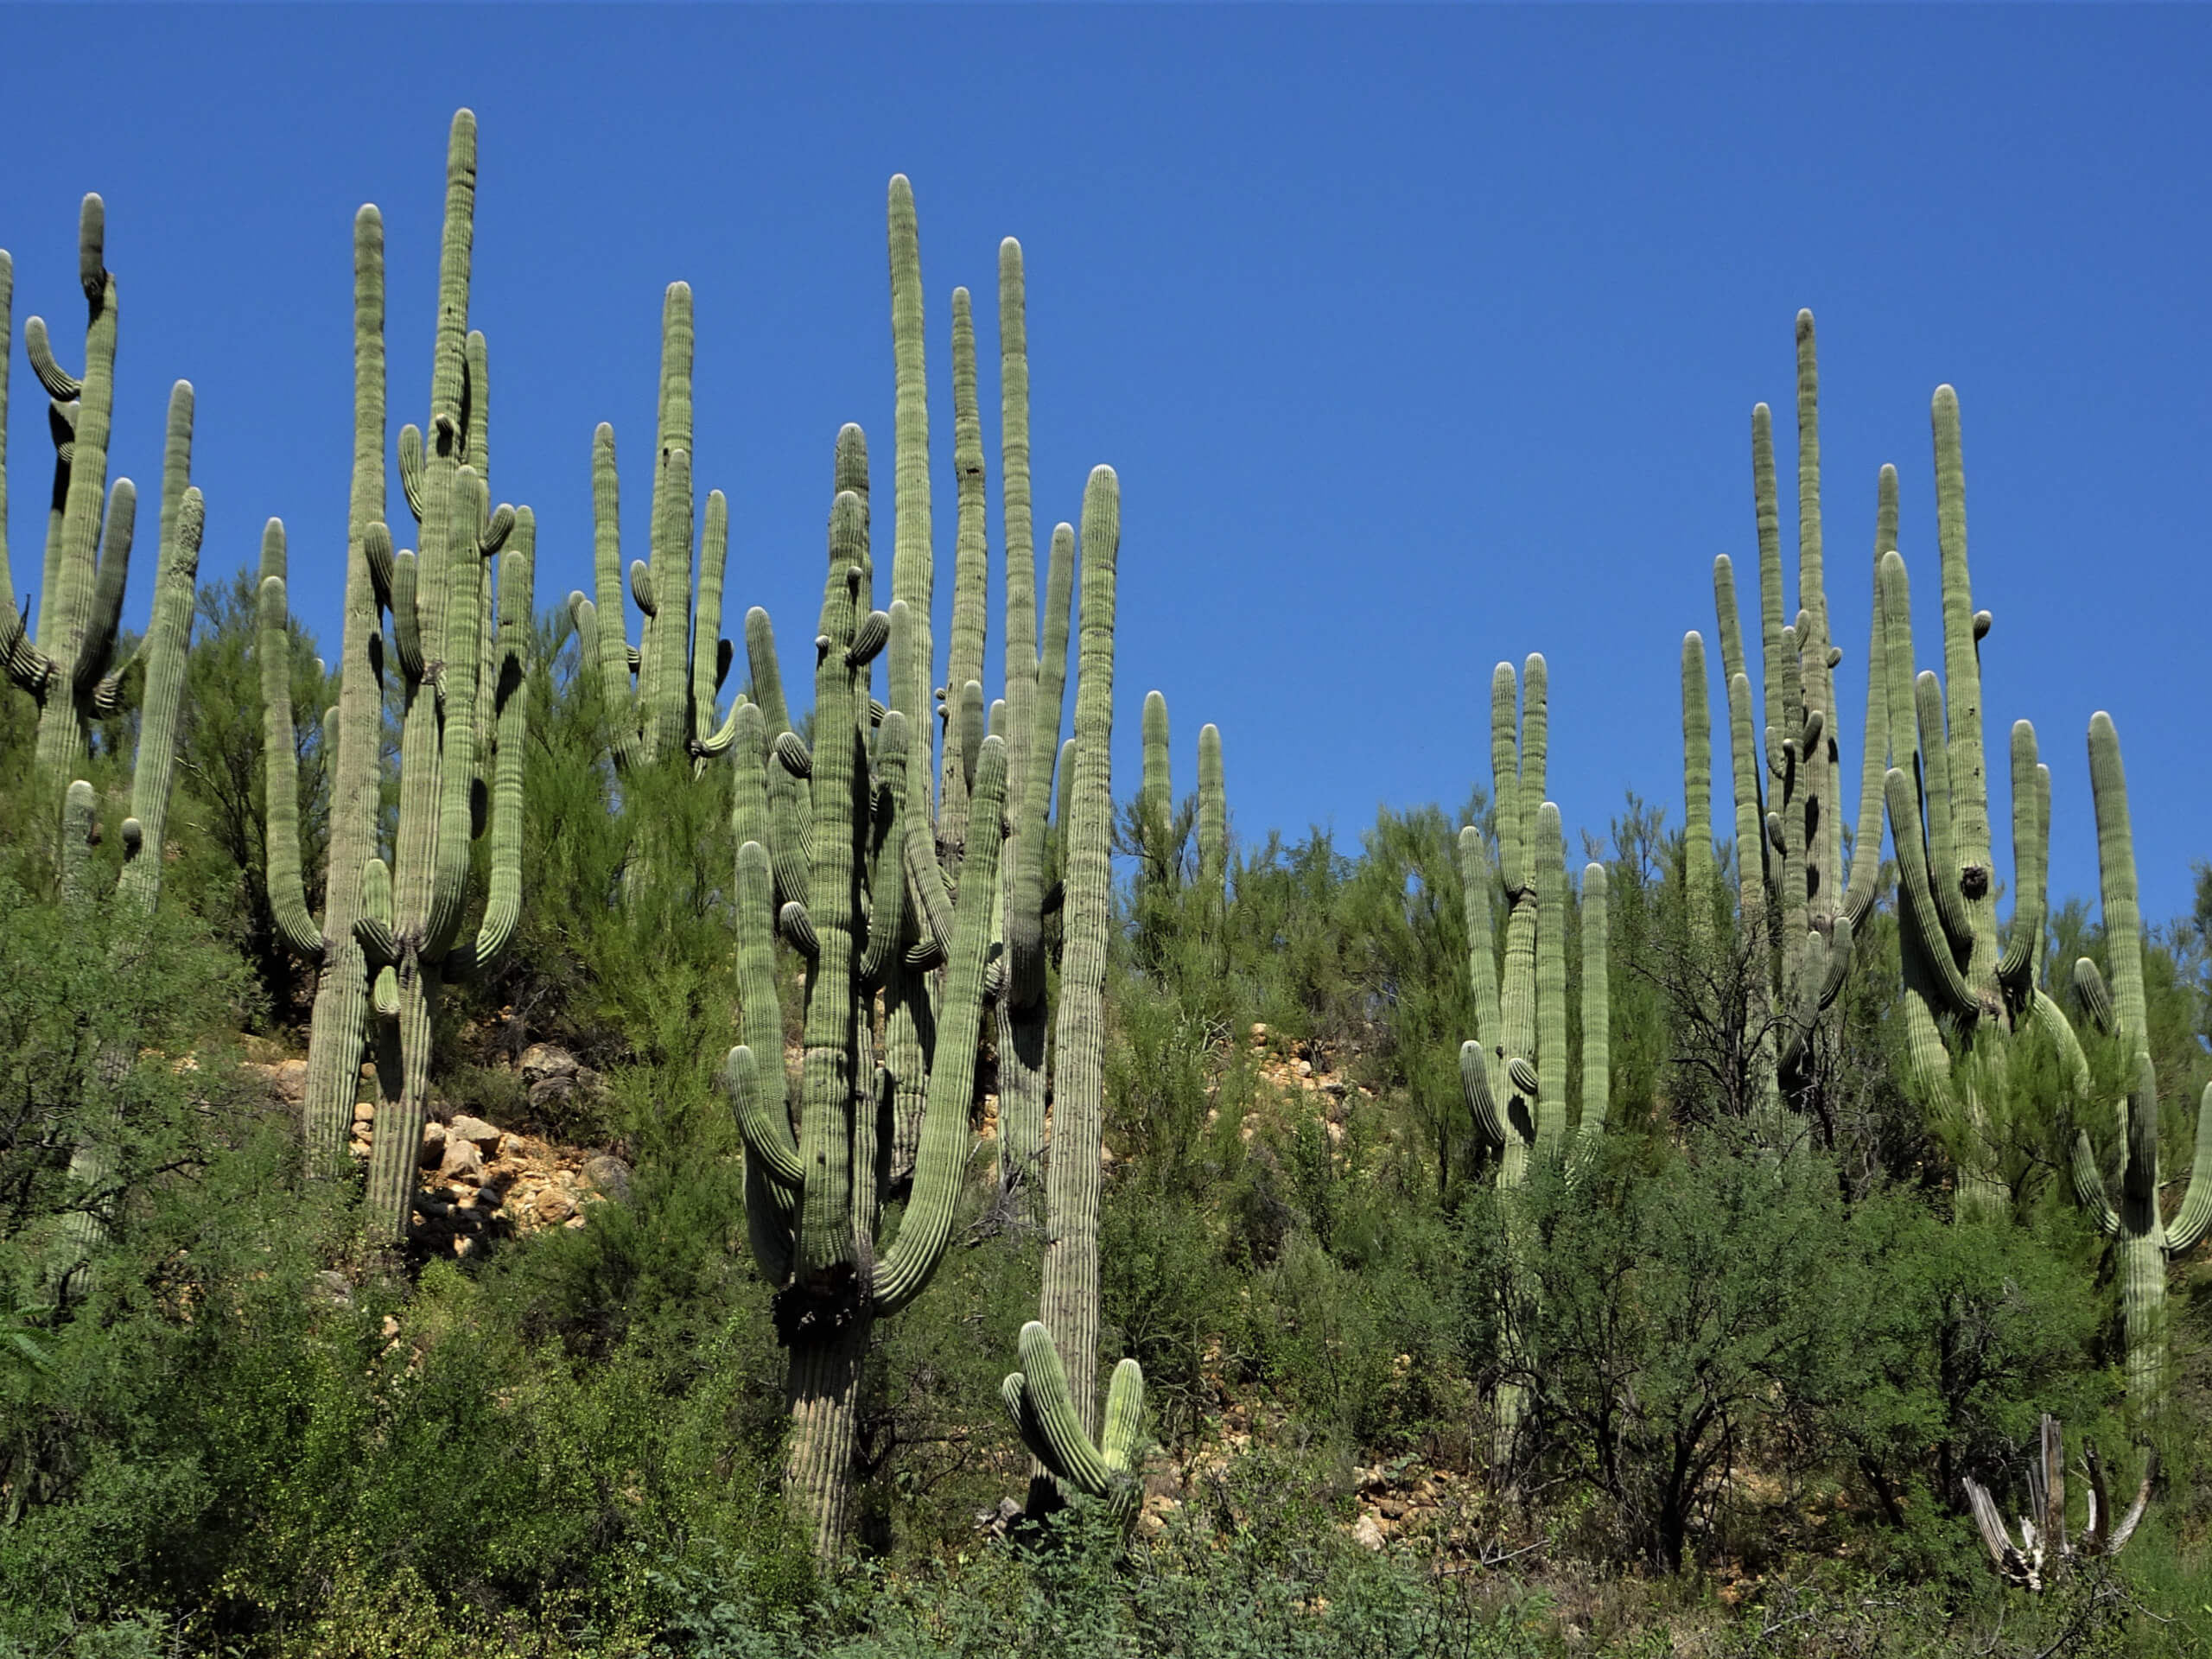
(1213,814)
(681,659)
(353,740)
(2046,1547)
(462,661)
(816,1197)
(1798,903)
(2136,1222)
(1960,971)
(70,669)
(1515,1070)
(1052,1397)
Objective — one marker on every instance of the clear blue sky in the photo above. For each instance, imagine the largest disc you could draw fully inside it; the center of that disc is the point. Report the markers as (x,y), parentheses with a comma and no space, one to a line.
(1419,338)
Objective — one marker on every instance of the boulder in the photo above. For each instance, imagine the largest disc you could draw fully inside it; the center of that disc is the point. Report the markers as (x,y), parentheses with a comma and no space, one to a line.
(1366,1533)
(483,1135)
(461,1162)
(553,1206)
(609,1176)
(434,1146)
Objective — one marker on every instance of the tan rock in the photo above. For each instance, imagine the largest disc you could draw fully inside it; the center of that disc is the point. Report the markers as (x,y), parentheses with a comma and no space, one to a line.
(1366,1533)
(461,1162)
(434,1146)
(364,1111)
(484,1136)
(553,1206)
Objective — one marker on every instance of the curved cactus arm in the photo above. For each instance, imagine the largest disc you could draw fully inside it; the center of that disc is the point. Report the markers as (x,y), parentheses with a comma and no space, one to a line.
(1938,806)
(411,471)
(2124,1528)
(886,922)
(1922,914)
(2096,999)
(372,928)
(707,641)
(96,652)
(941,1161)
(280,759)
(1474,1087)
(20,660)
(61,385)
(2194,1215)
(2016,969)
(1051,1427)
(2011,1566)
(2089,1186)
(503,902)
(767,1133)
(1873,763)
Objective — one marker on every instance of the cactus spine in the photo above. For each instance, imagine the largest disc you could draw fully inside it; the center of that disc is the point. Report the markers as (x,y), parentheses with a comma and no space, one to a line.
(813,1200)
(455,692)
(1798,906)
(1958,970)
(2144,1238)
(680,661)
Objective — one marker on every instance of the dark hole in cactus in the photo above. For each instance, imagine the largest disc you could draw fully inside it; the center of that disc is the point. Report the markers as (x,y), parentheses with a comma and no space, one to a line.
(1974,881)
(809,1317)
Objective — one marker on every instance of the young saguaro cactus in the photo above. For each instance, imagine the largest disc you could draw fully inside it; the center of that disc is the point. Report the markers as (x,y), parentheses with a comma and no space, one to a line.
(70,668)
(681,659)
(1798,905)
(2136,1222)
(814,1199)
(353,740)
(1961,973)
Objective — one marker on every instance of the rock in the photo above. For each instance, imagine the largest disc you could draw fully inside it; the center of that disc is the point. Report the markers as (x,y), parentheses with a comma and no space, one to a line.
(391,1326)
(553,1206)
(609,1176)
(331,1286)
(461,1162)
(1394,1509)
(464,1245)
(1366,1533)
(434,1146)
(542,1062)
(574,1221)
(287,1079)
(472,1129)
(512,1145)
(364,1111)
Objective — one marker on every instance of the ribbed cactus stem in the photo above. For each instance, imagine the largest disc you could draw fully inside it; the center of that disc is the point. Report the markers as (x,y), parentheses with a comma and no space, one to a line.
(1697,791)
(1597,1006)
(1069,1303)
(1551,981)
(169,638)
(1157,788)
(970,577)
(1213,815)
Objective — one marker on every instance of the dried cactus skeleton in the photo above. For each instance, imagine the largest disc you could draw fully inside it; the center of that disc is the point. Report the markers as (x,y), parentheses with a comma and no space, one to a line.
(2045,1546)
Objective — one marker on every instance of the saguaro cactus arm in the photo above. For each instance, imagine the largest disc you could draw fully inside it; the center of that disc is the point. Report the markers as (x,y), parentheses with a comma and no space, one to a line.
(1044,1414)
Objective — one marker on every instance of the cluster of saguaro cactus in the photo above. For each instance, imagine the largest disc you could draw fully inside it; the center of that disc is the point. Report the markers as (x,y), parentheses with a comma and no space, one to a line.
(814,1199)
(1798,905)
(462,643)
(1514,1070)
(1160,829)
(2136,1222)
(1961,974)
(69,666)
(681,659)
(70,669)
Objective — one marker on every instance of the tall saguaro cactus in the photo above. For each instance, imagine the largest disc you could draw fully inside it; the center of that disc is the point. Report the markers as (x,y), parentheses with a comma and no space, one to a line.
(1798,903)
(681,659)
(1961,973)
(463,646)
(1052,1398)
(353,742)
(815,1198)
(70,668)
(2136,1222)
